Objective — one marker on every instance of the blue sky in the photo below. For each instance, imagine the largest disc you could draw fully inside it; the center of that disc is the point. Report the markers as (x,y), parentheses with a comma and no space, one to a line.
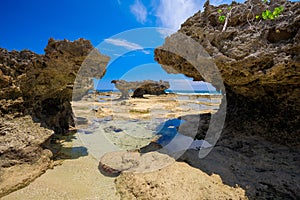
(29,24)
(132,59)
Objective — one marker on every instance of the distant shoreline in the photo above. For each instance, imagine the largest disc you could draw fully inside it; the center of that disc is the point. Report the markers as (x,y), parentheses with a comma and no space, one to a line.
(179,92)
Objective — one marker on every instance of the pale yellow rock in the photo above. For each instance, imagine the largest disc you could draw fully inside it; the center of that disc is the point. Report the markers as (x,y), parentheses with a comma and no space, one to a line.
(176,181)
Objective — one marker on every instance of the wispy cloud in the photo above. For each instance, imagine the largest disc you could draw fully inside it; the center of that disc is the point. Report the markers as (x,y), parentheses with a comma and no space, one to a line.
(165,32)
(126,44)
(140,11)
(188,84)
(218,2)
(172,13)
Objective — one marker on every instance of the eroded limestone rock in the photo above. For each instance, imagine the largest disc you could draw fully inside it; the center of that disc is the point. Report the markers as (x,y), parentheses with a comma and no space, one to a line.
(175,181)
(258,60)
(141,87)
(35,95)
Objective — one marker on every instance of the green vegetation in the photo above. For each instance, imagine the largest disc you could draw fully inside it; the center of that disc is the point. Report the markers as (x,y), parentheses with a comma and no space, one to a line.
(272,15)
(222,18)
(224,15)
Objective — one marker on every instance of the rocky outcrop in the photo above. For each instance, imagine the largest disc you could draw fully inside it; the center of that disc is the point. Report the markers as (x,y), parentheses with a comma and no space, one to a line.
(141,87)
(258,61)
(176,181)
(41,85)
(35,96)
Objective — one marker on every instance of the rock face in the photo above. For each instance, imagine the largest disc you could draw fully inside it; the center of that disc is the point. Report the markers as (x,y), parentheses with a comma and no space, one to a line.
(41,85)
(35,96)
(141,88)
(259,61)
(22,156)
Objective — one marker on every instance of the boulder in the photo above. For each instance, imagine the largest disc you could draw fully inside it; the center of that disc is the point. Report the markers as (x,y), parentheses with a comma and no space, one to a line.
(141,87)
(175,181)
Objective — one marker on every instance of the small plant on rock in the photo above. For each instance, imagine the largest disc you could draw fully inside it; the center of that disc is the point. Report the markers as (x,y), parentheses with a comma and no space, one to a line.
(224,19)
(267,14)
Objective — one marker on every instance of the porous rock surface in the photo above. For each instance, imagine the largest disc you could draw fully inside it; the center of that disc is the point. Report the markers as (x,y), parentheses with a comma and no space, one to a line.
(176,181)
(22,156)
(258,60)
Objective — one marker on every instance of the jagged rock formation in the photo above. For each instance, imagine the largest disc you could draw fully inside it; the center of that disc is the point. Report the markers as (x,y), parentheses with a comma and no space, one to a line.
(141,88)
(38,88)
(41,85)
(259,63)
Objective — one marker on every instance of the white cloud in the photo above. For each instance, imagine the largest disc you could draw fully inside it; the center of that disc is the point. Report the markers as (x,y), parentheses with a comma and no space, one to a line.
(165,32)
(218,2)
(140,11)
(123,43)
(126,44)
(172,13)
(189,84)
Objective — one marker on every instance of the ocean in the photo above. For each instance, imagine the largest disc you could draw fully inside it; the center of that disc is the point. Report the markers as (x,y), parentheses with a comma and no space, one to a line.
(183,92)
